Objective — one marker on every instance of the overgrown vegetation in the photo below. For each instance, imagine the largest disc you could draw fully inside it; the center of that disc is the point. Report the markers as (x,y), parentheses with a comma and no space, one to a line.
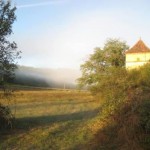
(124,97)
(125,113)
(5,117)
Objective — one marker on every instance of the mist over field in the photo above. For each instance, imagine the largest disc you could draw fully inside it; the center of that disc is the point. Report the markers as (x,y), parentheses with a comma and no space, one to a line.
(44,77)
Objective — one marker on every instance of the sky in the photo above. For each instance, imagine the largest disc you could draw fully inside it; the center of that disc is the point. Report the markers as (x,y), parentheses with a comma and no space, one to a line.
(62,33)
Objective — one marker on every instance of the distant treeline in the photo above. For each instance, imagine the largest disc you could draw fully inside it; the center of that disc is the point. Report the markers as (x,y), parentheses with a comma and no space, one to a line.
(39,77)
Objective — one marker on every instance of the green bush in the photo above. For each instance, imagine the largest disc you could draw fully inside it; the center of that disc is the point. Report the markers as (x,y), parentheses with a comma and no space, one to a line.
(125,109)
(6,117)
(144,112)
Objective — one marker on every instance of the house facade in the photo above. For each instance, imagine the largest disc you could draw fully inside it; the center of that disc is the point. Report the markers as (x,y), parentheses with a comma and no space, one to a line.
(138,55)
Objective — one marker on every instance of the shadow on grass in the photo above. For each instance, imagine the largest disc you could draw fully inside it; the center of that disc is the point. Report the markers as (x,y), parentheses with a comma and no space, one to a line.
(47,103)
(70,102)
(30,122)
(25,125)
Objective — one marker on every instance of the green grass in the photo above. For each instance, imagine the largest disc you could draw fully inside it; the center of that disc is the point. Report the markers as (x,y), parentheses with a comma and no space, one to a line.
(51,120)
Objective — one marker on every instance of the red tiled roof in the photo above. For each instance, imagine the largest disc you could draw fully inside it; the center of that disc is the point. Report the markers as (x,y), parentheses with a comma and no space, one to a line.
(139,47)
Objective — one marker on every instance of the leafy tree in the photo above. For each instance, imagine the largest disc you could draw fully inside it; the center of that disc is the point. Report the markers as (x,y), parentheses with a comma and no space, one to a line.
(100,62)
(8,50)
(8,56)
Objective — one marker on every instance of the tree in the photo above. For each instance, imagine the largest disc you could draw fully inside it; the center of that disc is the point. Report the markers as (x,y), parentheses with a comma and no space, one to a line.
(100,62)
(8,50)
(8,53)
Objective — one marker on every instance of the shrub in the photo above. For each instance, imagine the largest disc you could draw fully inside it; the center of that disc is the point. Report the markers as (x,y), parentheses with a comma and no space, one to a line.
(6,117)
(125,109)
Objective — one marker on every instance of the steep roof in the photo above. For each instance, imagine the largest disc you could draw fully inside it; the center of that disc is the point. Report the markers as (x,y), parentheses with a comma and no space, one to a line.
(139,47)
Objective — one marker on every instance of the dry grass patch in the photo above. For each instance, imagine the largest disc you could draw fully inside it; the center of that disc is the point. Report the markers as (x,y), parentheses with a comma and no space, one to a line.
(51,120)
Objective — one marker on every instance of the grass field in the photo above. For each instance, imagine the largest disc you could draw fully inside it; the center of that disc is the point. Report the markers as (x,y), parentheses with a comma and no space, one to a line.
(52,120)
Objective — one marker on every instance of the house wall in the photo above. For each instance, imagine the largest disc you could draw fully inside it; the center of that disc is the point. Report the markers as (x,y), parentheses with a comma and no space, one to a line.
(134,60)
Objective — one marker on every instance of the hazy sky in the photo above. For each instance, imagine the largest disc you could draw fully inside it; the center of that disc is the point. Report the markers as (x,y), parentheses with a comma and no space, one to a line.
(62,33)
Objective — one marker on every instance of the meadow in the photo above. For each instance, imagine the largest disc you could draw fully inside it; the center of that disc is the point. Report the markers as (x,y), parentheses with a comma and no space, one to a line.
(51,120)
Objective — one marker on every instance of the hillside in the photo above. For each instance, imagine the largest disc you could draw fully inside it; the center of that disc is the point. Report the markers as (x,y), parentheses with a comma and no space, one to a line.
(44,77)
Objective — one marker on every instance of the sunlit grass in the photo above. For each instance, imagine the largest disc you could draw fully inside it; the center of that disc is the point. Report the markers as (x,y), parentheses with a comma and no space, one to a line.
(51,120)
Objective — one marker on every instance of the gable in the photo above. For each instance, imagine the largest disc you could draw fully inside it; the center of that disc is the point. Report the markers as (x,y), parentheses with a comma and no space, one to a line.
(139,47)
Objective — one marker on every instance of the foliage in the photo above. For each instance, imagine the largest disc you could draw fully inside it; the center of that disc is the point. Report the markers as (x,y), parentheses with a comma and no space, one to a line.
(8,50)
(125,109)
(8,53)
(124,97)
(5,117)
(99,63)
